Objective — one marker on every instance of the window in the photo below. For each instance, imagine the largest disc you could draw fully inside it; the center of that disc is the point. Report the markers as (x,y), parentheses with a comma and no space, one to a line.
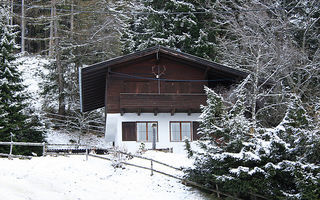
(180,130)
(145,130)
(138,131)
(129,131)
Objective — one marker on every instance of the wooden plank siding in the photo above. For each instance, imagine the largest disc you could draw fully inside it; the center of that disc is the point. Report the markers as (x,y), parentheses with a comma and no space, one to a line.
(131,102)
(123,77)
(132,93)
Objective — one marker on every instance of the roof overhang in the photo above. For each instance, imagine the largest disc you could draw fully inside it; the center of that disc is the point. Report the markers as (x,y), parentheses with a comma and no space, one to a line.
(92,78)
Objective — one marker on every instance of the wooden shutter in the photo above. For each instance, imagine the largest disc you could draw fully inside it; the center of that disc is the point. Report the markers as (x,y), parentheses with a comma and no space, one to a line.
(195,126)
(129,131)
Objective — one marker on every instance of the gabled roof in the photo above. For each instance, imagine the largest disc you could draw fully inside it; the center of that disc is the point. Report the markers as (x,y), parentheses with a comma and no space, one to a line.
(92,78)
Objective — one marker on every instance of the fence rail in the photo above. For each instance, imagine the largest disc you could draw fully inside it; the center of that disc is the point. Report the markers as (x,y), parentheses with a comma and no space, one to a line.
(15,156)
(43,145)
(23,144)
(145,158)
(88,154)
(185,181)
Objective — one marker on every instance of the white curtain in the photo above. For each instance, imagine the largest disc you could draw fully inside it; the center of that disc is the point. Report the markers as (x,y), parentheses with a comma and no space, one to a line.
(175,131)
(185,130)
(141,131)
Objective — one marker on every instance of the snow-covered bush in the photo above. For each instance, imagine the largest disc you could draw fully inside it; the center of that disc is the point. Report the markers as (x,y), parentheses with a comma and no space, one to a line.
(278,163)
(142,148)
(118,158)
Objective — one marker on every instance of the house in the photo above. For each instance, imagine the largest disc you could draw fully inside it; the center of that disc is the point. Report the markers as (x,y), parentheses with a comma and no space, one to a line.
(157,87)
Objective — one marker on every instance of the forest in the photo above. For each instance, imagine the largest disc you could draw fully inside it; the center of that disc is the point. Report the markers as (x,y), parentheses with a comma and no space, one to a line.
(263,134)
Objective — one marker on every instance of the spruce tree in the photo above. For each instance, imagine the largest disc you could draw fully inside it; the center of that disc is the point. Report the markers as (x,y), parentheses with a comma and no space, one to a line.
(180,25)
(223,124)
(278,163)
(14,119)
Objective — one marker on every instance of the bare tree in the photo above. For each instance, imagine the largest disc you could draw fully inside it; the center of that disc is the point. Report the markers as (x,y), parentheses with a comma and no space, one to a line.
(257,36)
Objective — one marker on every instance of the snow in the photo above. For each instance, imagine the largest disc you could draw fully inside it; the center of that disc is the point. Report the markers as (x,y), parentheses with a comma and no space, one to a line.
(64,137)
(32,69)
(241,155)
(73,177)
(238,170)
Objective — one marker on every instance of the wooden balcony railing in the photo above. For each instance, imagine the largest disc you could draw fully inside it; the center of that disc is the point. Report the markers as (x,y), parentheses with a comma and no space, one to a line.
(167,102)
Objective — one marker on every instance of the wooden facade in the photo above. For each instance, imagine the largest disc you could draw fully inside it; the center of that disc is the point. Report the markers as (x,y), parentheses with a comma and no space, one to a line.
(156,80)
(127,92)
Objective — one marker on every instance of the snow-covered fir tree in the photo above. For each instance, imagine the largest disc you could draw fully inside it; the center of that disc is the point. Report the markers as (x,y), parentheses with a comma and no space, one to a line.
(222,124)
(15,121)
(278,163)
(299,130)
(180,25)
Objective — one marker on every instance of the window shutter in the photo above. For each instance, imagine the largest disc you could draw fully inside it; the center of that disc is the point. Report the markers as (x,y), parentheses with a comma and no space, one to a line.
(195,126)
(129,131)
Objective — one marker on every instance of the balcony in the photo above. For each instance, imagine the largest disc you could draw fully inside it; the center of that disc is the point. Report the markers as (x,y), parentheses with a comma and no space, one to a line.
(162,103)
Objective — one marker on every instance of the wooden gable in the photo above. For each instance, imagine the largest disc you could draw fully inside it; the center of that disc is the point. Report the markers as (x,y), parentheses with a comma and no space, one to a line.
(155,80)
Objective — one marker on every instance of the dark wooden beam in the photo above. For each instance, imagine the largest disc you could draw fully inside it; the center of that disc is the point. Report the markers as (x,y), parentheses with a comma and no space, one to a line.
(139,111)
(189,112)
(106,102)
(122,111)
(173,110)
(206,73)
(155,111)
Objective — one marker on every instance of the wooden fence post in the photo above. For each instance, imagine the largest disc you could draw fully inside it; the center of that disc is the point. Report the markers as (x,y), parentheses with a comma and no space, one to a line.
(44,149)
(11,147)
(87,154)
(151,168)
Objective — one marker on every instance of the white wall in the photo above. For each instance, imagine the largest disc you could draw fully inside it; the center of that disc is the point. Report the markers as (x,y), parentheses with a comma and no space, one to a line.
(114,129)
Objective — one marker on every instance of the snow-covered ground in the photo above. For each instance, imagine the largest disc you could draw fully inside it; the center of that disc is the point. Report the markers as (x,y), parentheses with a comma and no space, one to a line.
(32,69)
(74,178)
(64,137)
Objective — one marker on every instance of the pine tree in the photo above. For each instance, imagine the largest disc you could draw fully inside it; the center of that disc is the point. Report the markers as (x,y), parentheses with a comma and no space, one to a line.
(221,124)
(13,107)
(278,163)
(299,131)
(212,114)
(180,25)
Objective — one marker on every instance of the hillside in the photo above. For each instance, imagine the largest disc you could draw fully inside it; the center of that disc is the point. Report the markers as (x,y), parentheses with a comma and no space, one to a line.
(73,177)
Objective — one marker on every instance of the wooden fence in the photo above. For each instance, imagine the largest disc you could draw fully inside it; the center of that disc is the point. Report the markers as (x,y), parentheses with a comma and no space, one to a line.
(43,145)
(11,144)
(152,170)
(183,180)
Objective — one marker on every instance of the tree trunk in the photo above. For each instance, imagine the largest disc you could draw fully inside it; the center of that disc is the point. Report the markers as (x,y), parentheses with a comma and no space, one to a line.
(72,19)
(255,93)
(22,27)
(53,2)
(61,110)
(11,16)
